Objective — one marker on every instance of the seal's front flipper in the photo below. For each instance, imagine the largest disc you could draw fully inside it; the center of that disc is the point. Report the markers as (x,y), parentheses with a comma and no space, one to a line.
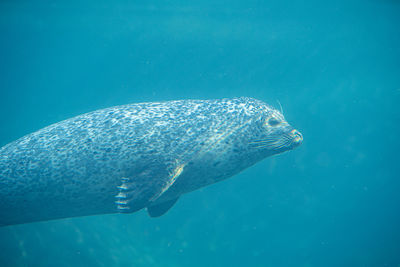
(169,182)
(161,209)
(145,187)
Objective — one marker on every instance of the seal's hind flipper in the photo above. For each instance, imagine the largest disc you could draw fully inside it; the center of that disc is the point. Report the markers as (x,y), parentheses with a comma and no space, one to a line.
(161,209)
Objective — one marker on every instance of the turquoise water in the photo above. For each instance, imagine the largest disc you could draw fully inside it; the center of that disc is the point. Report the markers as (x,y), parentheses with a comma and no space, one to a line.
(335,68)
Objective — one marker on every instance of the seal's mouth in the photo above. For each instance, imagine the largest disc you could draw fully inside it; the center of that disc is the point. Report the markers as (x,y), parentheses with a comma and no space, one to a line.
(280,143)
(297,138)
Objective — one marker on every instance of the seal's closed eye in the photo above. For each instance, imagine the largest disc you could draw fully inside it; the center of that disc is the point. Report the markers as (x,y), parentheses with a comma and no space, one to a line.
(273,121)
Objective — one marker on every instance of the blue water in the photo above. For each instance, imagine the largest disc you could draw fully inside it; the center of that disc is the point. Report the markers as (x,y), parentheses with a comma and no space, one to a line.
(333,65)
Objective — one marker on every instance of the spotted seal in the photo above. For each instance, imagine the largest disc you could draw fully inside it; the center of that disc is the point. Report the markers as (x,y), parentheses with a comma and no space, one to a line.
(130,157)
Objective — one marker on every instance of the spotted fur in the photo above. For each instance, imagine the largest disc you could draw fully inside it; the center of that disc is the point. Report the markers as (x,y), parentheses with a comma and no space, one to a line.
(138,154)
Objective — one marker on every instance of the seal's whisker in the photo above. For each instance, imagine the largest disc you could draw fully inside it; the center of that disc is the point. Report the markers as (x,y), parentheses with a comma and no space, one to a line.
(260,147)
(263,141)
(257,141)
(261,144)
(281,145)
(280,107)
(272,143)
(286,143)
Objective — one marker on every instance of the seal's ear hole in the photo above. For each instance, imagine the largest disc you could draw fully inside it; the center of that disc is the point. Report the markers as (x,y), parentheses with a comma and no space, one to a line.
(273,121)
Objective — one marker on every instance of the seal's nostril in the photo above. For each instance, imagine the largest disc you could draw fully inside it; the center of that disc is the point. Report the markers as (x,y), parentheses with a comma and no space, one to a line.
(297,136)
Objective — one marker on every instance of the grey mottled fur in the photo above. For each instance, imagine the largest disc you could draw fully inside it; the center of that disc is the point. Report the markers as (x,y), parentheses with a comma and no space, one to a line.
(76,167)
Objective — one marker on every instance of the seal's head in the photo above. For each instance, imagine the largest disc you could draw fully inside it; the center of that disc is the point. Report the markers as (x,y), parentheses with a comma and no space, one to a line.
(274,134)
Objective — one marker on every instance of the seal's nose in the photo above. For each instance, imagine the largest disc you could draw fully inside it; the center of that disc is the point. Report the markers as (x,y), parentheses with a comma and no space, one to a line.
(297,137)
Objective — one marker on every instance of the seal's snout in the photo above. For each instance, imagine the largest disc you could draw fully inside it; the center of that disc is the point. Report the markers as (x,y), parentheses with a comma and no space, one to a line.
(297,137)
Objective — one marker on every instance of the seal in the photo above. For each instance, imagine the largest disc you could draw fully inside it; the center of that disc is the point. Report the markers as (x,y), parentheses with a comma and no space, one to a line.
(130,157)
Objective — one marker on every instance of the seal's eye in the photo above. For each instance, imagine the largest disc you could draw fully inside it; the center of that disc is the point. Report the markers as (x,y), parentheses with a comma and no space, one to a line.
(273,121)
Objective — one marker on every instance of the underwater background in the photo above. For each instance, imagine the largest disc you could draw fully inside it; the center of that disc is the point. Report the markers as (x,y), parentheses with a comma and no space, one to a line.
(333,65)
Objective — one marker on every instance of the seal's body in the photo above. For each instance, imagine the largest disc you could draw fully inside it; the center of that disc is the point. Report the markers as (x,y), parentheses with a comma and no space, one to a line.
(125,158)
